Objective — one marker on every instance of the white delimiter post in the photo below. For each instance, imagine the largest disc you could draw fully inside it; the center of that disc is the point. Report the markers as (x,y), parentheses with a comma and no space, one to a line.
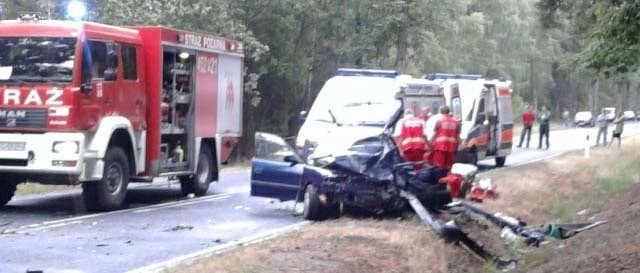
(587,148)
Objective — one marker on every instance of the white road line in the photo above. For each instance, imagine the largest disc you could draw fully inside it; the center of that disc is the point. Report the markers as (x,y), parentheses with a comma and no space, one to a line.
(89,216)
(182,204)
(48,227)
(208,252)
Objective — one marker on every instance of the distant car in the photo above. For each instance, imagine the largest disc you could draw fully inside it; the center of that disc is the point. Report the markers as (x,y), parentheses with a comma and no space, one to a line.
(584,119)
(629,115)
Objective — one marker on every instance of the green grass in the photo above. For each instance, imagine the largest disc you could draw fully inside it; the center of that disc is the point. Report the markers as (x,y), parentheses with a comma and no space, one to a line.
(619,182)
(538,257)
(565,209)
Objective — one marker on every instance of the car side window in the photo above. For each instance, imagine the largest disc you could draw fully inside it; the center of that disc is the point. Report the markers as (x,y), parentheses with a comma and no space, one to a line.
(129,63)
(271,147)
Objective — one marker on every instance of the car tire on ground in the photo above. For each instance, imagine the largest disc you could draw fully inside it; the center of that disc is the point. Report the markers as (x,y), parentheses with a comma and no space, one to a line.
(7,190)
(312,205)
(335,210)
(500,160)
(199,182)
(110,192)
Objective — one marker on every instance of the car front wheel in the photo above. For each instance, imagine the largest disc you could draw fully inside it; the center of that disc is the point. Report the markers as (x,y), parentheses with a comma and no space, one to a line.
(312,205)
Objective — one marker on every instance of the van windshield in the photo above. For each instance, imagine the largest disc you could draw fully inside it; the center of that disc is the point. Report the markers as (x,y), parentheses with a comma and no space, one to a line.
(365,113)
(36,59)
(356,100)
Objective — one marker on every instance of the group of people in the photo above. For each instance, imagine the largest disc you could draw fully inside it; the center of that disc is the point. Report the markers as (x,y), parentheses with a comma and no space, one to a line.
(528,118)
(602,123)
(438,147)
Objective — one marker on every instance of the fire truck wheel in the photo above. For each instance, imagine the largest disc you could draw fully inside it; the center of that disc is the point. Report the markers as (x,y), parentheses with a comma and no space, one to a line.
(500,160)
(7,190)
(198,183)
(312,205)
(109,193)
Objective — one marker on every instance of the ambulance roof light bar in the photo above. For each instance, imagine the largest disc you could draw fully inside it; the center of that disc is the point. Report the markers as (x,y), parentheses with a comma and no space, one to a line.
(444,76)
(367,72)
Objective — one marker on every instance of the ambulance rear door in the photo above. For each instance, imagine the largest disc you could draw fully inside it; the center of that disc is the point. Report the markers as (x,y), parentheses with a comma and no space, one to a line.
(505,120)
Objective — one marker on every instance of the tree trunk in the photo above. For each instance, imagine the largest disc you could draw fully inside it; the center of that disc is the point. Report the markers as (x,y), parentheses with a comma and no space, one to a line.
(594,96)
(402,41)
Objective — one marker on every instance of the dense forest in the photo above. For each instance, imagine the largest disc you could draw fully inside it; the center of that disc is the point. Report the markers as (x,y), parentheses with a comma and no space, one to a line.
(579,55)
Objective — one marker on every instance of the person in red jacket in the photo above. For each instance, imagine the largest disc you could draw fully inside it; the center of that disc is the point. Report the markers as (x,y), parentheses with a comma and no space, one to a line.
(528,117)
(445,142)
(412,139)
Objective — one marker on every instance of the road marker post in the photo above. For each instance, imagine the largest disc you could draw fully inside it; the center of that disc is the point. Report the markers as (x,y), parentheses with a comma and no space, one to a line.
(587,148)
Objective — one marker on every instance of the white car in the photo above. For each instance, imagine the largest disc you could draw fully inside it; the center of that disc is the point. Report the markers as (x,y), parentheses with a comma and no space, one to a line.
(629,115)
(584,119)
(610,112)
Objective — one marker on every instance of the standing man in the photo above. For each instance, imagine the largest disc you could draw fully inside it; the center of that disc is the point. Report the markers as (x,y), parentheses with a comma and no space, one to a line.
(412,138)
(603,125)
(528,117)
(617,132)
(446,139)
(544,118)
(566,117)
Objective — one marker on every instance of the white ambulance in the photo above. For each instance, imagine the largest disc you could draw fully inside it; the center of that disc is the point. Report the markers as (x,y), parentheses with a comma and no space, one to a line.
(485,110)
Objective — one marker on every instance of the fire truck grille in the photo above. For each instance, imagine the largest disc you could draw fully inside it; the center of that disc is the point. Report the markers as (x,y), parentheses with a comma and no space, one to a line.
(23,118)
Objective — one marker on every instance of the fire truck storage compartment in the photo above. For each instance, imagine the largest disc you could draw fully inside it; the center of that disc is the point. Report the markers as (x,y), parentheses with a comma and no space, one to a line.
(178,83)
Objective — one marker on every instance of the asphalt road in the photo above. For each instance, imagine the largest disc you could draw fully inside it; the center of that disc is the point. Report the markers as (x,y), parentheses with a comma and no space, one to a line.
(53,232)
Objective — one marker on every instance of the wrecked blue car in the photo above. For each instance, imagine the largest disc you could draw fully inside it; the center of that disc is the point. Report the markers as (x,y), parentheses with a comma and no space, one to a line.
(367,174)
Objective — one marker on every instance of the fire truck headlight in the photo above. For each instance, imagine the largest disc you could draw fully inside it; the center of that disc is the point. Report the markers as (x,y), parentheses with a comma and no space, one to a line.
(66,147)
(76,10)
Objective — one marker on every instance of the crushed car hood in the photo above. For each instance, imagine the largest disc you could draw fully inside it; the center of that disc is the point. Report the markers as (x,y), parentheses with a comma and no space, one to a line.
(342,138)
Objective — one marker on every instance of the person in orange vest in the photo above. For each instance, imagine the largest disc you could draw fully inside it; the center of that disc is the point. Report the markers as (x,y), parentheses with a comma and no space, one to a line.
(413,142)
(444,144)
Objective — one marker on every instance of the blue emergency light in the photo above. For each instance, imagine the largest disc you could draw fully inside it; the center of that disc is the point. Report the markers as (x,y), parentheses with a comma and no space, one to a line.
(367,72)
(444,76)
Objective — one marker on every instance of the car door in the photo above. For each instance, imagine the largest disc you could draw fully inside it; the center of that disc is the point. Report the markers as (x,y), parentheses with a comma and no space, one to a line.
(271,175)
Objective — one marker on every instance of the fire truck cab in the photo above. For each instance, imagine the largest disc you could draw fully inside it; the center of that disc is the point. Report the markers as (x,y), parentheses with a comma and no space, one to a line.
(485,110)
(99,105)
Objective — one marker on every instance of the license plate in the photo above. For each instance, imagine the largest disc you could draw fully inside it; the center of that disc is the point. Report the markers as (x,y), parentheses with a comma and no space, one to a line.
(11,146)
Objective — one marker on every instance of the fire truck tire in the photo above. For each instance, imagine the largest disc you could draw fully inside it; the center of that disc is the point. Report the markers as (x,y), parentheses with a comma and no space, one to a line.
(198,184)
(110,192)
(500,160)
(7,190)
(312,206)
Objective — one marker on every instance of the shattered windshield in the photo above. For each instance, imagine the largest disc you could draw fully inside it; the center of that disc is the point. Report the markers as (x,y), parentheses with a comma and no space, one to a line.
(36,59)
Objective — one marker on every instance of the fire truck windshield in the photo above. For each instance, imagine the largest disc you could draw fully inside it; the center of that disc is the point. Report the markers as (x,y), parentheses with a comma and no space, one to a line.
(36,59)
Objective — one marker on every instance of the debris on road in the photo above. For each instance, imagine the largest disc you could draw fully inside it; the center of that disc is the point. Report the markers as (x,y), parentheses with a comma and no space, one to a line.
(179,227)
(101,245)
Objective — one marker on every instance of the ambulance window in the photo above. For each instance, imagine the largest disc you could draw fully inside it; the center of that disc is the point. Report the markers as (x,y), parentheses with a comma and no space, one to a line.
(456,108)
(98,58)
(130,63)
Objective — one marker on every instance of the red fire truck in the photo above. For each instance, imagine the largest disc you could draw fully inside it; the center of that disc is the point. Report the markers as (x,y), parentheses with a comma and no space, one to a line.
(102,106)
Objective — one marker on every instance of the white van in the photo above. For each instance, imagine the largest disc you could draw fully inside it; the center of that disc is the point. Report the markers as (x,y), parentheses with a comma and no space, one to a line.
(353,104)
